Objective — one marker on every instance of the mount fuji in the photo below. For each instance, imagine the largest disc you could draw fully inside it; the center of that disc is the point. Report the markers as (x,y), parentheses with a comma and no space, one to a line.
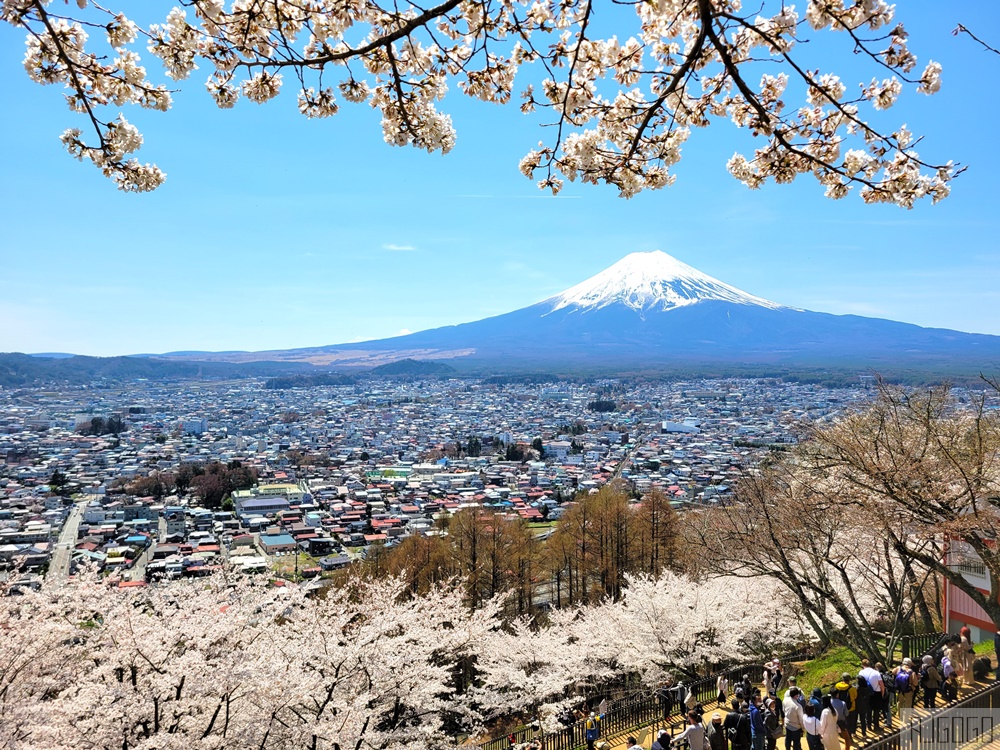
(651,311)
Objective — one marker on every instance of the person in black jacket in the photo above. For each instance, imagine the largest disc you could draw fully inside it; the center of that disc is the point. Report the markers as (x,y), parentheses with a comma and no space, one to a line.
(716,733)
(737,726)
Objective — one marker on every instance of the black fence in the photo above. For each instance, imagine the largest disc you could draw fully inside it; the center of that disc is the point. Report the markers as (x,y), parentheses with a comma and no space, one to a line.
(912,646)
(915,646)
(974,719)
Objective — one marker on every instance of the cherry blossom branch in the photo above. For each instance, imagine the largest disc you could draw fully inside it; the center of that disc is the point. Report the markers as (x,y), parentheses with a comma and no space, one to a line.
(961,29)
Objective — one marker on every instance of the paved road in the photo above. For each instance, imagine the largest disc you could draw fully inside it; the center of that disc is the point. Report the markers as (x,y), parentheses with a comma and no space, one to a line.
(138,570)
(626,461)
(63,554)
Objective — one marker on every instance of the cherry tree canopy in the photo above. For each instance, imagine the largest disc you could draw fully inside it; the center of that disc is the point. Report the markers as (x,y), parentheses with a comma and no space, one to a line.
(222,663)
(620,106)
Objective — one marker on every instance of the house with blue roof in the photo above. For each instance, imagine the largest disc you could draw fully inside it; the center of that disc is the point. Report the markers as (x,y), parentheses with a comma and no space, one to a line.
(272,543)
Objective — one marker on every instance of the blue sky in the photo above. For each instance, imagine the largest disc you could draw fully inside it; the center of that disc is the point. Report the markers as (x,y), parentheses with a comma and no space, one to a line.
(273,231)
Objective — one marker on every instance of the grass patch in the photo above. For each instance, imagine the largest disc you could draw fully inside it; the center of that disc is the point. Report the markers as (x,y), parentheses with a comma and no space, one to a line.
(824,671)
(984,647)
(284,566)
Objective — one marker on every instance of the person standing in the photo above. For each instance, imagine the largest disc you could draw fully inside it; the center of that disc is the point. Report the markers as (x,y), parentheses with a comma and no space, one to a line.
(722,688)
(592,730)
(694,734)
(772,726)
(829,732)
(716,733)
(691,703)
(996,647)
(758,732)
(793,719)
(888,693)
(794,685)
(668,695)
(810,725)
(665,695)
(737,725)
(849,694)
(906,683)
(776,673)
(680,696)
(839,706)
(862,702)
(968,654)
(874,680)
(816,698)
(930,681)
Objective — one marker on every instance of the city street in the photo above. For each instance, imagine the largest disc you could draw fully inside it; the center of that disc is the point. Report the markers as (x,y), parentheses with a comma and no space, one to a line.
(63,554)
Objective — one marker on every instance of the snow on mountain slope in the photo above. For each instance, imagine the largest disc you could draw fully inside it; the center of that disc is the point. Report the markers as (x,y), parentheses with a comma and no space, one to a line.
(649,282)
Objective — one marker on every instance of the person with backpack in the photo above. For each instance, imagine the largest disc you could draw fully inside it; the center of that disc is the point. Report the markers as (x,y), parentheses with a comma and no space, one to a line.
(930,681)
(888,695)
(874,679)
(905,681)
(849,694)
(840,708)
(862,703)
(737,726)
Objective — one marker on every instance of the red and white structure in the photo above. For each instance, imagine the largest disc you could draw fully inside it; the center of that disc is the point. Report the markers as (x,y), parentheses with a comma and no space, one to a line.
(959,609)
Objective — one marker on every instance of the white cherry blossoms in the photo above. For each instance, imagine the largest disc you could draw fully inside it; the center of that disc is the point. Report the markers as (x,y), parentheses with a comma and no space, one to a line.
(56,54)
(620,108)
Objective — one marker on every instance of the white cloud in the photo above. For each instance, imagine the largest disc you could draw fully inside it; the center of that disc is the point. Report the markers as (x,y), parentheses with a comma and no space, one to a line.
(398,248)
(404,332)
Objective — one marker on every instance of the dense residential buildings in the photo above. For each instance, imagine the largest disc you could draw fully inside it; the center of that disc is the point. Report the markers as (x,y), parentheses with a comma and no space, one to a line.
(340,468)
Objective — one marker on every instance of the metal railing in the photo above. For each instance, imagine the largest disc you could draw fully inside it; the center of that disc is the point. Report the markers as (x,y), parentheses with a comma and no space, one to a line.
(956,725)
(914,646)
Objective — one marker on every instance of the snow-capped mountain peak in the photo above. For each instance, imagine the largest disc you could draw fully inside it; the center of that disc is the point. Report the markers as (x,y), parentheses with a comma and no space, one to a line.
(652,281)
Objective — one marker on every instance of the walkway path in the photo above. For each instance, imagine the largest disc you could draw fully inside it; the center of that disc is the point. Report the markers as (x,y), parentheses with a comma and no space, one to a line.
(675,726)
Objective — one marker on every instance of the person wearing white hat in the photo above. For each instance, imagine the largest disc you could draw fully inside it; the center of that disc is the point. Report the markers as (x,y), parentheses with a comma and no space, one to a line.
(930,681)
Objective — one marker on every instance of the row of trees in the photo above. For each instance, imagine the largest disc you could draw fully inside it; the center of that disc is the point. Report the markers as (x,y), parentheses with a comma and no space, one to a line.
(211,482)
(112,425)
(601,539)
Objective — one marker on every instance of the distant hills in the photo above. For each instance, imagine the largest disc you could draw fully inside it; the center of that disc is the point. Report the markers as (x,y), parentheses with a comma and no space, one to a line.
(18,370)
(648,313)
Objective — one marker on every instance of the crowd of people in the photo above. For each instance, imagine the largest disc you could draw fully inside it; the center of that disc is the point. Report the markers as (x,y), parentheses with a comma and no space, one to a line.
(865,703)
(756,716)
